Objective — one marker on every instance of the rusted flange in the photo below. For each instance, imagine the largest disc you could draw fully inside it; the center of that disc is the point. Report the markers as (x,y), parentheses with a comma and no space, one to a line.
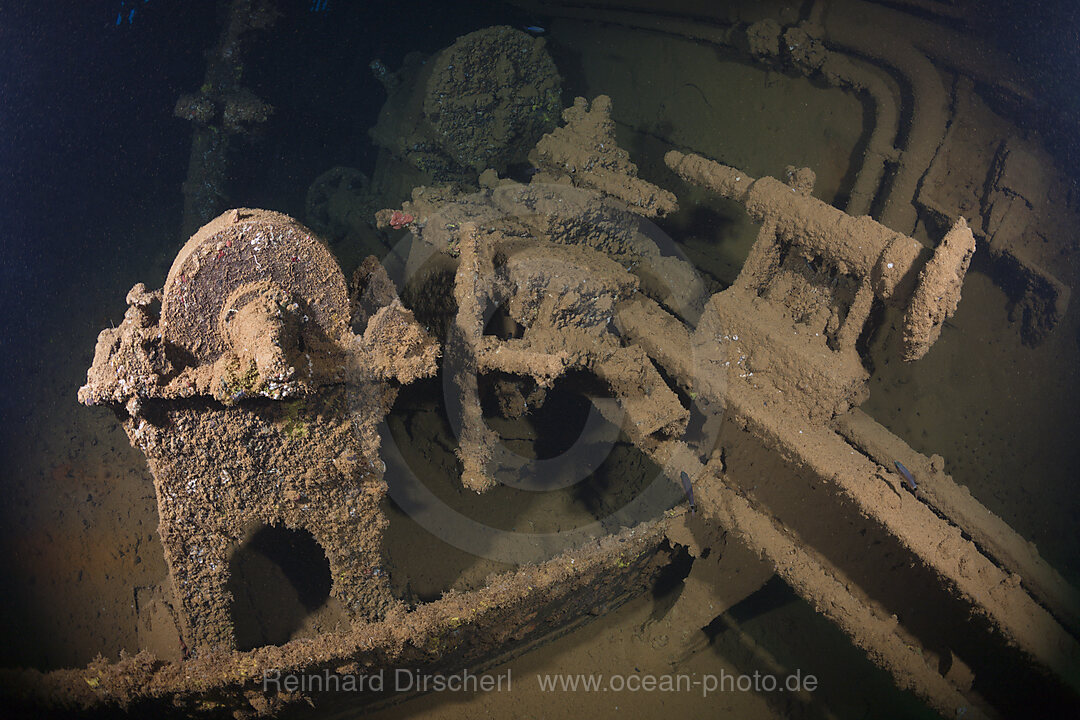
(243,247)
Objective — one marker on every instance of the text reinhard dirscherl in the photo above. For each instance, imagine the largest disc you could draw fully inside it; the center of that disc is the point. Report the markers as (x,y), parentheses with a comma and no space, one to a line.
(407,681)
(400,680)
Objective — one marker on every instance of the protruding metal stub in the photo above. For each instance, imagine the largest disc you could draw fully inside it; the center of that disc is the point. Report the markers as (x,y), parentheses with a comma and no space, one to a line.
(242,247)
(938,291)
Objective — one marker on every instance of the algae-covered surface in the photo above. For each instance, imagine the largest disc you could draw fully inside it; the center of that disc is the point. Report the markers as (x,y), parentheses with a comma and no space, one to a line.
(94,201)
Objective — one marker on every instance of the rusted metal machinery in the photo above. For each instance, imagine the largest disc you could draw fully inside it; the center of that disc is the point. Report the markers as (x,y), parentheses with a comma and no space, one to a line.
(256,380)
(779,355)
(257,405)
(964,153)
(254,318)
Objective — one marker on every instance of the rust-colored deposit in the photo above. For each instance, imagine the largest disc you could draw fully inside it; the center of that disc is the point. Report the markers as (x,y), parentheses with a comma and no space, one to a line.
(257,381)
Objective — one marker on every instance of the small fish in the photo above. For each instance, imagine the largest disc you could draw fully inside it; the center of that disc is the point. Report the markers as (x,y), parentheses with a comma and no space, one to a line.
(908,477)
(689,490)
(534,29)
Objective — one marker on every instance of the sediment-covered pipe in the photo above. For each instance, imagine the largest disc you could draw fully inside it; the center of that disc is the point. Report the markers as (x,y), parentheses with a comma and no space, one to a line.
(870,31)
(881,146)
(822,584)
(690,28)
(941,546)
(837,69)
(475,446)
(966,54)
(825,587)
(1015,554)
(860,245)
(859,76)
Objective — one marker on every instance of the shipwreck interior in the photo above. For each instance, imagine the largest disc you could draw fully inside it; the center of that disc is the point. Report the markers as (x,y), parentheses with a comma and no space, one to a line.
(624,338)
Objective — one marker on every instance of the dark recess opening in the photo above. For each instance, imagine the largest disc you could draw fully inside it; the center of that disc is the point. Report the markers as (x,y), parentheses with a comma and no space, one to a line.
(277,578)
(556,416)
(670,579)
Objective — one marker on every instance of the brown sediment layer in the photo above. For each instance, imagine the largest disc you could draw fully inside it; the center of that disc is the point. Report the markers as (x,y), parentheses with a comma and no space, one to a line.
(580,285)
(456,631)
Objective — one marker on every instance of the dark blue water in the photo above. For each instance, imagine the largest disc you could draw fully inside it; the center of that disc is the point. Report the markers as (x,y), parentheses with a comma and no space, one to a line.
(89,147)
(92,158)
